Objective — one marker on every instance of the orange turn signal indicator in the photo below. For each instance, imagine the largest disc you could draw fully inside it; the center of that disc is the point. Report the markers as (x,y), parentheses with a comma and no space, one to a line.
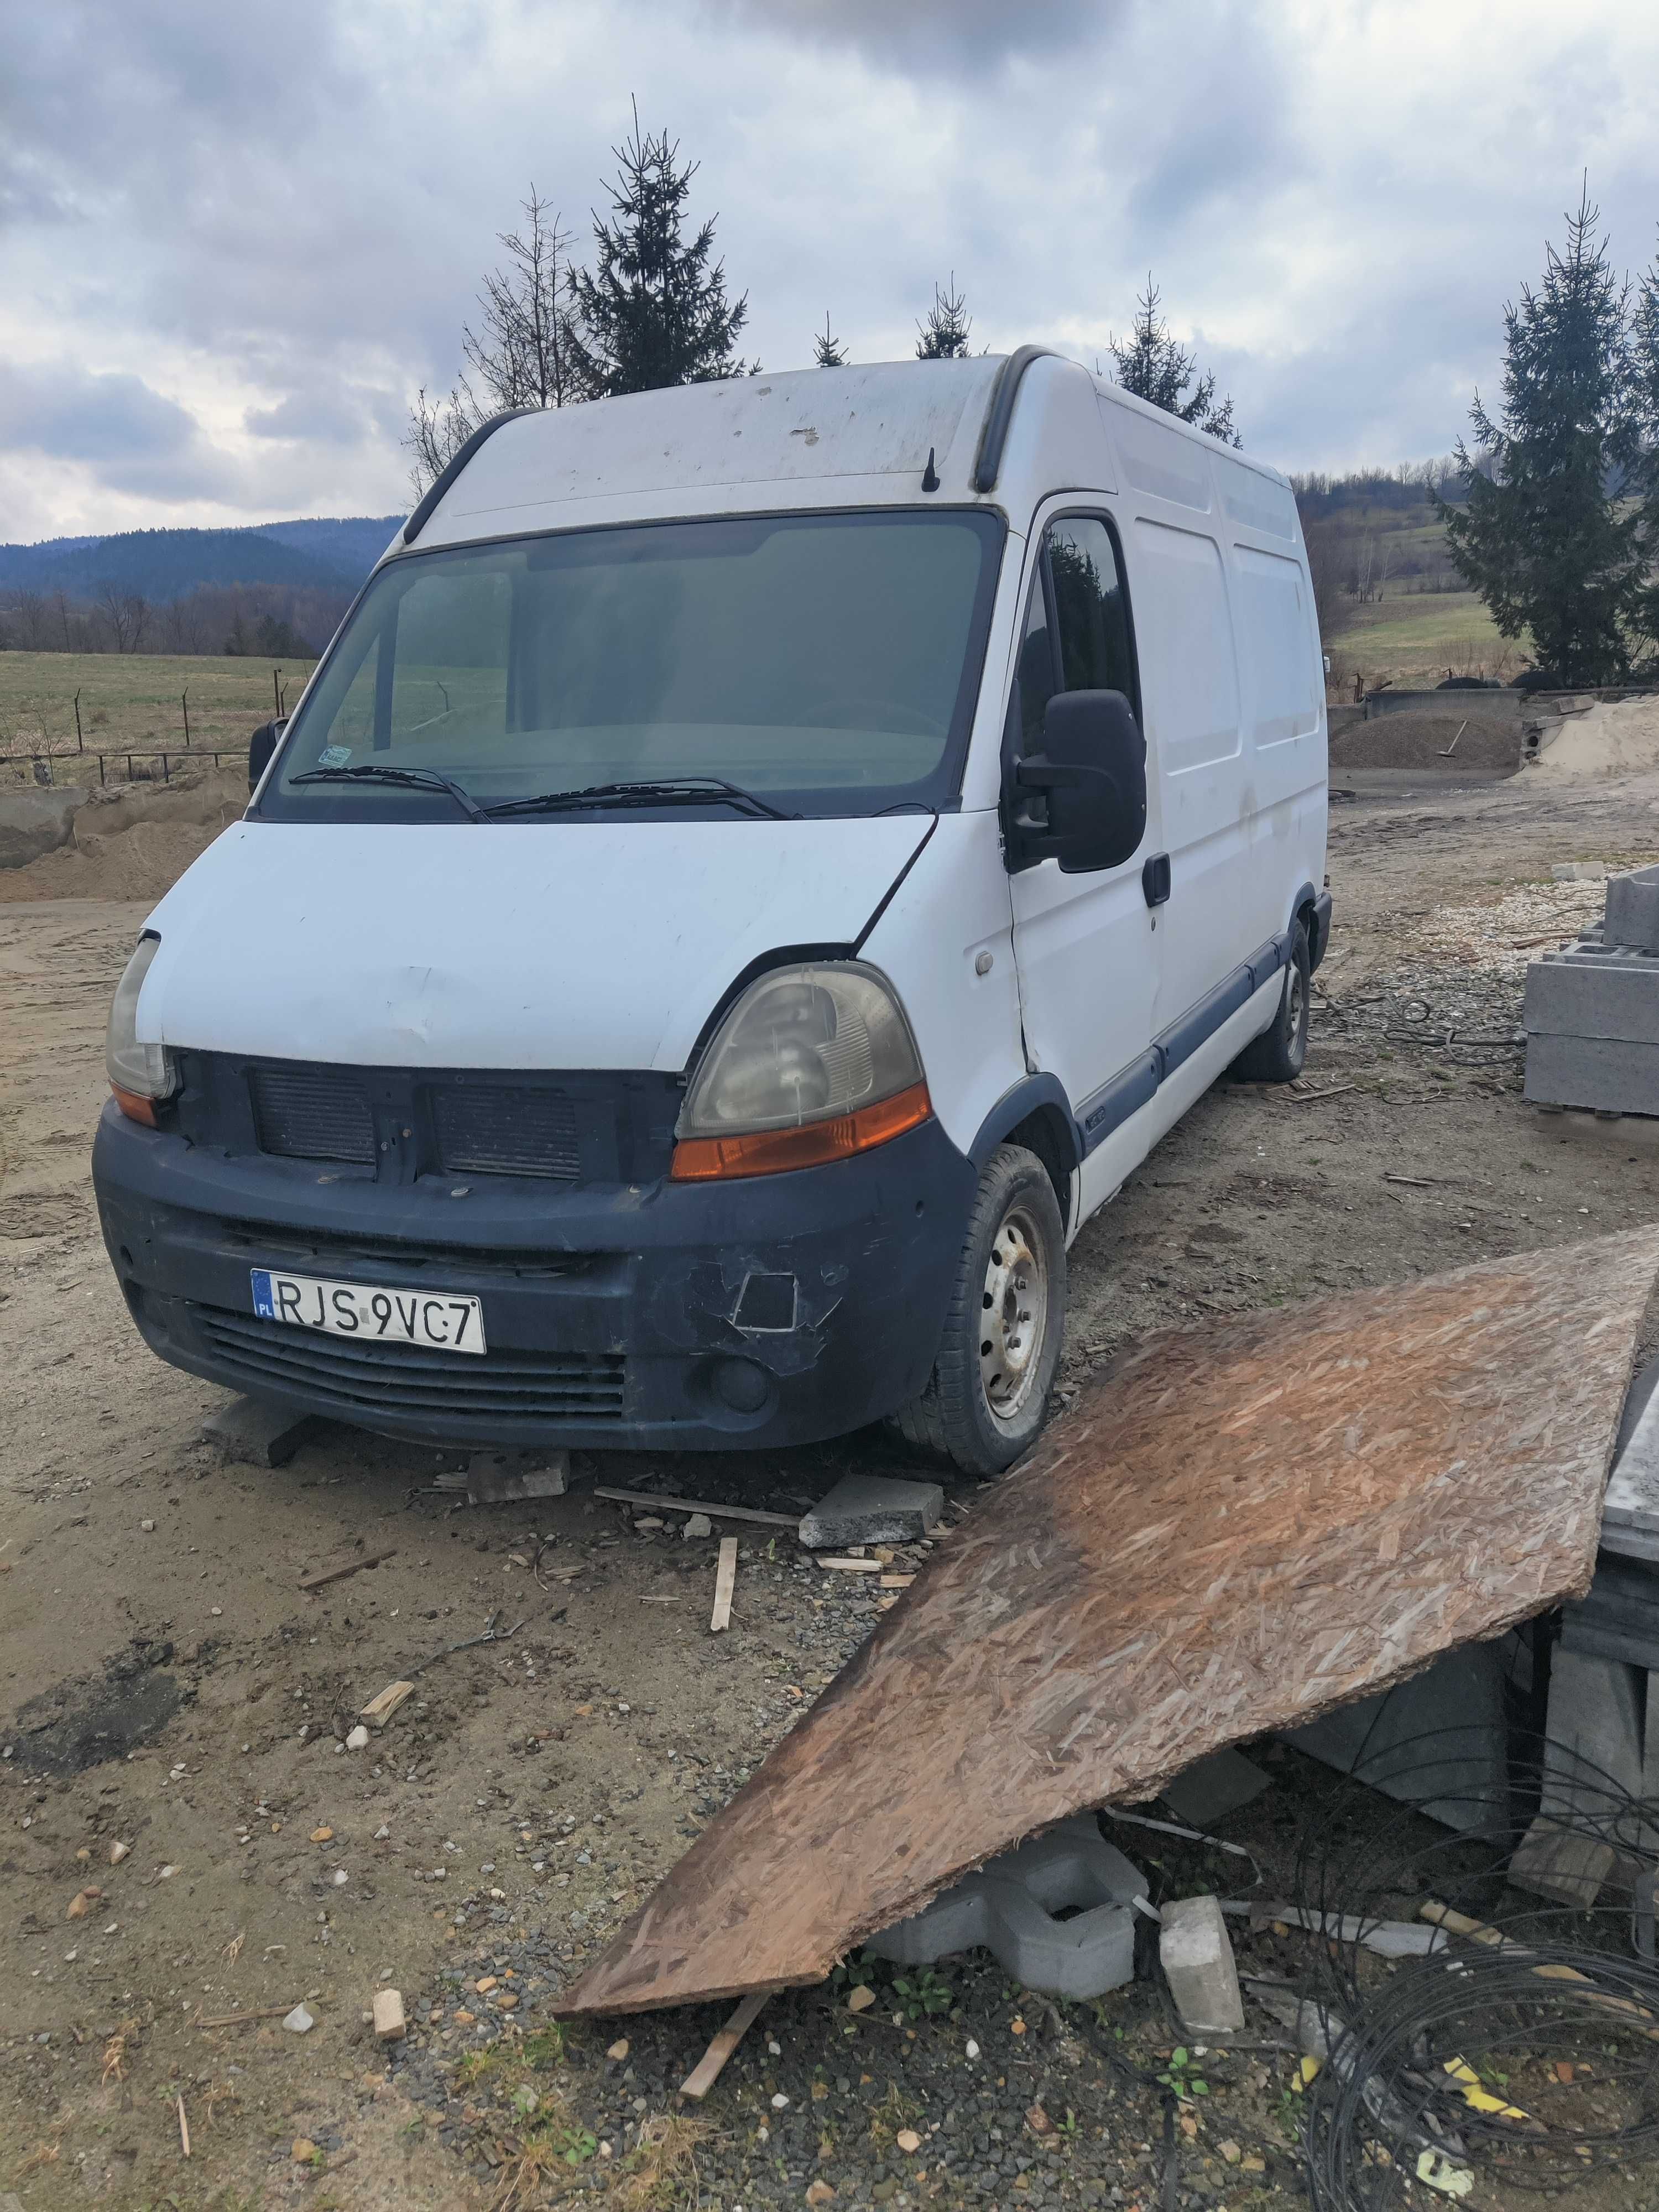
(134,1108)
(772,1151)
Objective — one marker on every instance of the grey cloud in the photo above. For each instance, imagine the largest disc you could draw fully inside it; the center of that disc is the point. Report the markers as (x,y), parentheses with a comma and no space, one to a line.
(920,35)
(77,415)
(331,418)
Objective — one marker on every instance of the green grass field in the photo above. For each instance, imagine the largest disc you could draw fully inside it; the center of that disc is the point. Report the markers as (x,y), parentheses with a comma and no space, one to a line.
(132,702)
(1415,637)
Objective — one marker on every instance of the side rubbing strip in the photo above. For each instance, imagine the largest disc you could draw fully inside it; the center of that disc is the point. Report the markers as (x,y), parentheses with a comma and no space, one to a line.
(423,514)
(988,462)
(1126,1094)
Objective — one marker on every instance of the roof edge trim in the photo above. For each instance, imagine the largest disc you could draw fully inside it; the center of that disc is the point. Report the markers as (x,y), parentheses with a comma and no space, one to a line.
(1000,412)
(453,468)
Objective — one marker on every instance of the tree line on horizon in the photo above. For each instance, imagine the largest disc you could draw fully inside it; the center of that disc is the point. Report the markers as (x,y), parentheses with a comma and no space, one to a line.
(654,310)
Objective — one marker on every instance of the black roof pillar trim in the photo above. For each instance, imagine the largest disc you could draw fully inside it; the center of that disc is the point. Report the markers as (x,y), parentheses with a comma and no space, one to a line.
(988,462)
(423,514)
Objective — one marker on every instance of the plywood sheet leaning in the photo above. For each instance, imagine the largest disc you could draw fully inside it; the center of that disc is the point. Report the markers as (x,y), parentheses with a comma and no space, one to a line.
(1236,1528)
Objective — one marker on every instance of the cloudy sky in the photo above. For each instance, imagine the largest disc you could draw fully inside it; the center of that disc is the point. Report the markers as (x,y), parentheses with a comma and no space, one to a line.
(235,241)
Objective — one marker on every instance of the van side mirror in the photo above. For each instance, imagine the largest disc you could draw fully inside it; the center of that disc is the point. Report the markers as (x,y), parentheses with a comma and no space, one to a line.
(1092,773)
(260,747)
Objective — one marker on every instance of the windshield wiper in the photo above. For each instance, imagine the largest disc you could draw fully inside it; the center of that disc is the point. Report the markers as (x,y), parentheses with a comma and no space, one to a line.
(418,779)
(680,791)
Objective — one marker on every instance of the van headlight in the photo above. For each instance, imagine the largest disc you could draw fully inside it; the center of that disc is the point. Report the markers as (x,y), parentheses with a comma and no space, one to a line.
(139,1074)
(812,1064)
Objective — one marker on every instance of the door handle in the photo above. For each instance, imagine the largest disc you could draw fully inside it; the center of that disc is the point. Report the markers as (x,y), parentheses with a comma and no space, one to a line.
(1155,879)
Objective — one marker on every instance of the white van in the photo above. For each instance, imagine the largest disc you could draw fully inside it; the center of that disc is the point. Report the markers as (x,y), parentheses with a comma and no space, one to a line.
(714,927)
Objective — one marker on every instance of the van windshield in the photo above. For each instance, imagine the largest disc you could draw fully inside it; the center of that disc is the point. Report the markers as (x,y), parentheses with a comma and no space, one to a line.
(826,663)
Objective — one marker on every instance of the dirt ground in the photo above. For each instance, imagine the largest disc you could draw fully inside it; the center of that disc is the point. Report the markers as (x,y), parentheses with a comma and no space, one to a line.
(165,1684)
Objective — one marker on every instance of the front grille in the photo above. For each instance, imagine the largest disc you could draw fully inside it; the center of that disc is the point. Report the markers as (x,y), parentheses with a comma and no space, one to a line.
(405,1381)
(306,1114)
(489,1129)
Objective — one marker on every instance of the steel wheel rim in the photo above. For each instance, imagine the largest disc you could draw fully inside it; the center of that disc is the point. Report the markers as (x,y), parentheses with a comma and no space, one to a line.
(1013,1315)
(1298,1002)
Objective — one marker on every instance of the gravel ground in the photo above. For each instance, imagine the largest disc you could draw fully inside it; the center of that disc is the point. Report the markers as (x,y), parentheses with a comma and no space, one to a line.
(533,1791)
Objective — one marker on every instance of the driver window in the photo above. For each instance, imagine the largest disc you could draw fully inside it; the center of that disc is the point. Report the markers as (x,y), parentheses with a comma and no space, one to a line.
(1090,615)
(1037,668)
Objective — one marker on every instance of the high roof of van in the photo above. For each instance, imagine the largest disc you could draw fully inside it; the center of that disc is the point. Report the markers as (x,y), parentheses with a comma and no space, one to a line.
(1003,430)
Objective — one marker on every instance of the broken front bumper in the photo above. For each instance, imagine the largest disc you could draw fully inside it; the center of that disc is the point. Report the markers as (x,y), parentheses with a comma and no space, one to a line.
(776,1309)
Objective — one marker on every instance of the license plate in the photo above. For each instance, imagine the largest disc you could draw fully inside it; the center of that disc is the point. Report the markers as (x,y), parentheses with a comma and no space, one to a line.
(441,1322)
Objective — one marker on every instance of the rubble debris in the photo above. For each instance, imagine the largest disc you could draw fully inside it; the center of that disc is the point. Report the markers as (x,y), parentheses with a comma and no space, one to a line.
(82,1903)
(872,1509)
(299,2021)
(357,1738)
(380,1707)
(1197,1954)
(651,1501)
(510,1477)
(350,1563)
(1235,1528)
(388,2017)
(1011,1907)
(698,1525)
(725,1582)
(708,2070)
(257,1432)
(118,1850)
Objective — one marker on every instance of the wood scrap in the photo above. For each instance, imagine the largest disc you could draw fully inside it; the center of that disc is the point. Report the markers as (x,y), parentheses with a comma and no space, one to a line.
(700,1505)
(1313,1097)
(726,1581)
(242,2018)
(1187,1558)
(184,2129)
(844,1566)
(1478,1931)
(707,2071)
(380,1707)
(347,1566)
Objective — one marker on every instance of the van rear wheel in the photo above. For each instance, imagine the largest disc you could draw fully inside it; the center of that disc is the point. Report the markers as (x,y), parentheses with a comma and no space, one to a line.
(988,1396)
(1280,1052)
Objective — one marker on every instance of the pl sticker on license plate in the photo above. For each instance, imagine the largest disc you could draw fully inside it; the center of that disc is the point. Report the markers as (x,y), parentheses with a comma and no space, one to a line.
(440,1323)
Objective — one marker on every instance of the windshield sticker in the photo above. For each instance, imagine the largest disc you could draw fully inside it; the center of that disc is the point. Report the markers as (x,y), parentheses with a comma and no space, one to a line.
(334,755)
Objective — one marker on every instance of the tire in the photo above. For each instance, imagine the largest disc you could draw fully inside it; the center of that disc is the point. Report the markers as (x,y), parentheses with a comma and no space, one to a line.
(1280,1052)
(988,1396)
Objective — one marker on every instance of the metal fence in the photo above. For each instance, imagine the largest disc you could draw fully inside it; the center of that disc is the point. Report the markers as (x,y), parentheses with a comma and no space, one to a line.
(41,766)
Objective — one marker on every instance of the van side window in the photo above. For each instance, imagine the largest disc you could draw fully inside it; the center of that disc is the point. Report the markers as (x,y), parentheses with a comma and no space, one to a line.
(1037,668)
(1093,621)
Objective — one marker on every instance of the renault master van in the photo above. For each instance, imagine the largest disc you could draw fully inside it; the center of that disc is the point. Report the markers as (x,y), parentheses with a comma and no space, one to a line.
(758,867)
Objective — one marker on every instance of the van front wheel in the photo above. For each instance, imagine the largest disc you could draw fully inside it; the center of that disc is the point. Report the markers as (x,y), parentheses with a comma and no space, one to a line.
(1280,1052)
(988,1396)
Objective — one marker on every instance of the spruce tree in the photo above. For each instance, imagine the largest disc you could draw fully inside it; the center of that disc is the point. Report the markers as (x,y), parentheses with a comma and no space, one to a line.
(827,352)
(944,336)
(1645,471)
(653,309)
(1543,535)
(1153,365)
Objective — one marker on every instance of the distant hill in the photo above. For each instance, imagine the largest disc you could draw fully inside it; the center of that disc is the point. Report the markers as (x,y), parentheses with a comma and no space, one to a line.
(326,554)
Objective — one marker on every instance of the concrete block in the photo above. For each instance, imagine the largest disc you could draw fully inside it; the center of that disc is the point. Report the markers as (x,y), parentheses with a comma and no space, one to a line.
(257,1432)
(1634,910)
(1213,1788)
(872,1509)
(1197,1954)
(1596,1735)
(1606,1075)
(388,2010)
(1008,1907)
(1592,995)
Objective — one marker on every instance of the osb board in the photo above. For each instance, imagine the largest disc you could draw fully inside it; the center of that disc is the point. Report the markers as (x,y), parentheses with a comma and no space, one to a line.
(1235,1528)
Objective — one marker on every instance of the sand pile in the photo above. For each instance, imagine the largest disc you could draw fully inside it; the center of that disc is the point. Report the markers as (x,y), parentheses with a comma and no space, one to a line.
(130,841)
(1419,740)
(1619,738)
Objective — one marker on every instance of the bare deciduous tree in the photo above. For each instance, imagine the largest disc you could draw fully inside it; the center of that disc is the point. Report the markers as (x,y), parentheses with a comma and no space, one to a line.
(520,353)
(127,614)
